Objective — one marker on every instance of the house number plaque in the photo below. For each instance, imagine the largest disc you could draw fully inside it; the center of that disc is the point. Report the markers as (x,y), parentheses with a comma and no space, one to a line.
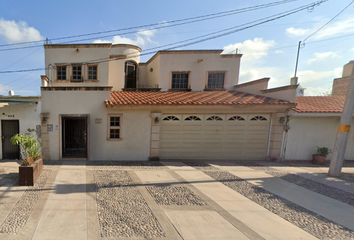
(98,120)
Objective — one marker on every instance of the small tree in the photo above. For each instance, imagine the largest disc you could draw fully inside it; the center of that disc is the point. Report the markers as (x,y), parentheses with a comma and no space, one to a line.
(30,148)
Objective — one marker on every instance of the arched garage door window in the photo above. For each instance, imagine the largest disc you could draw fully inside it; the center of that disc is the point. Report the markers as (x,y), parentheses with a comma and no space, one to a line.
(130,74)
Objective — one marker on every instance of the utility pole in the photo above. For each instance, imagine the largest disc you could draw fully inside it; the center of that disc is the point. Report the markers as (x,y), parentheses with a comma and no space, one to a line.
(297,58)
(340,145)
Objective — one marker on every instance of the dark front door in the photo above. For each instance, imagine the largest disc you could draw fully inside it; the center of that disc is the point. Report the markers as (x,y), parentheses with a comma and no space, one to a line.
(8,129)
(74,137)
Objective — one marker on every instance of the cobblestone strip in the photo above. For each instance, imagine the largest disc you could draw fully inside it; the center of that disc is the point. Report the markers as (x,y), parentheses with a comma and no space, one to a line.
(312,223)
(201,166)
(182,196)
(314,186)
(19,215)
(122,210)
(118,165)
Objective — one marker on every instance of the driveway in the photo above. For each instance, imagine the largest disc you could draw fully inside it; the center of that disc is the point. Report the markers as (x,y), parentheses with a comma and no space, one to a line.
(177,200)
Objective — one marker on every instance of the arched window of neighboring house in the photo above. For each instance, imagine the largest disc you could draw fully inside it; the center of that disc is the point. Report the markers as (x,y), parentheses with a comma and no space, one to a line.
(130,74)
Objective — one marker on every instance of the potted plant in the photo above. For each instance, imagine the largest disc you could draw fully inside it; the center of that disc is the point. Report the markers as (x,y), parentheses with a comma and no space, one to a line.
(31,158)
(320,156)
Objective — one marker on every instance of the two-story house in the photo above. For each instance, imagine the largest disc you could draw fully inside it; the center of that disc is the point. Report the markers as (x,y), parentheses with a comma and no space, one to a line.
(99,102)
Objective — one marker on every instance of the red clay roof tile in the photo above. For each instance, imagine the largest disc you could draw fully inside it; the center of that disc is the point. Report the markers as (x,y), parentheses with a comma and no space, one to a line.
(189,98)
(319,104)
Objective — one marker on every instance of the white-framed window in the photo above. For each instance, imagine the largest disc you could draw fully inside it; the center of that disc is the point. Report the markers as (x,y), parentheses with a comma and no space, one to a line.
(114,127)
(180,80)
(61,71)
(92,72)
(216,80)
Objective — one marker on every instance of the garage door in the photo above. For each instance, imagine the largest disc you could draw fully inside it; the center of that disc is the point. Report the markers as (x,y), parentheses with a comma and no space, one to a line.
(214,136)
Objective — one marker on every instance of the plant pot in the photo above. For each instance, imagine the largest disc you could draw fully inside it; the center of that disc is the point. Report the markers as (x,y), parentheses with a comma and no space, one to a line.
(28,175)
(318,159)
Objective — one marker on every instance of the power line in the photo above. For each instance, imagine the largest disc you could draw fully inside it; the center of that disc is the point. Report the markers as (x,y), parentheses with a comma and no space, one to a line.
(40,47)
(199,18)
(265,20)
(328,22)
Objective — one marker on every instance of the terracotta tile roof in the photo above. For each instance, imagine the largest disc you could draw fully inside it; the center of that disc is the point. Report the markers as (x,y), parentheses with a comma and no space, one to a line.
(190,98)
(319,104)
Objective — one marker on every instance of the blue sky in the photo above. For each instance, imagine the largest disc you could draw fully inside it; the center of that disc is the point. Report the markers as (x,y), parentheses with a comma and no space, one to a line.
(269,50)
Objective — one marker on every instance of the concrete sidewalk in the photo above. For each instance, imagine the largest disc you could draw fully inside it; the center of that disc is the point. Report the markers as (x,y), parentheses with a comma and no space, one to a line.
(176,200)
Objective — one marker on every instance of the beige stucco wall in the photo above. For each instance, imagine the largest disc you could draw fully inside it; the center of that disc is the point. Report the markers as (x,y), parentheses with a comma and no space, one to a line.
(165,63)
(153,77)
(110,60)
(27,114)
(308,132)
(71,56)
(135,143)
(116,67)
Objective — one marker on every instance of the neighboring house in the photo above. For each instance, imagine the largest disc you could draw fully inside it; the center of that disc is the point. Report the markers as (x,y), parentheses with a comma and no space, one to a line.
(340,85)
(99,102)
(315,121)
(18,114)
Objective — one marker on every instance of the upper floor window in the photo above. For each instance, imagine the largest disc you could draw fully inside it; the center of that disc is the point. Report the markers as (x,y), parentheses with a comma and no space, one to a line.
(61,72)
(130,74)
(216,79)
(76,73)
(92,72)
(179,80)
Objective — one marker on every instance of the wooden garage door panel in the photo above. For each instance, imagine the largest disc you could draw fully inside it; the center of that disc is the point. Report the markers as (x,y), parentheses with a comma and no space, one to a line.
(235,127)
(169,154)
(213,135)
(235,135)
(256,128)
(214,128)
(190,154)
(192,128)
(191,145)
(215,139)
(169,137)
(211,155)
(169,145)
(170,128)
(235,145)
(212,145)
(189,135)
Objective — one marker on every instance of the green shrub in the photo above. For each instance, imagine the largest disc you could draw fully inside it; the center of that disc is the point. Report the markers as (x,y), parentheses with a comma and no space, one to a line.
(323,151)
(30,148)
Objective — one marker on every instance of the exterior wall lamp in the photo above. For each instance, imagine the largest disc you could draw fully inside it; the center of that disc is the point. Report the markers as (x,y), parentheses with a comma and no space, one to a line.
(157,120)
(44,121)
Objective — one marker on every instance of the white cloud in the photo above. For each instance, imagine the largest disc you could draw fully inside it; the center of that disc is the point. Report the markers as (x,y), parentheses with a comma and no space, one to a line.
(18,32)
(315,91)
(322,56)
(141,38)
(309,76)
(344,25)
(296,32)
(251,49)
(338,72)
